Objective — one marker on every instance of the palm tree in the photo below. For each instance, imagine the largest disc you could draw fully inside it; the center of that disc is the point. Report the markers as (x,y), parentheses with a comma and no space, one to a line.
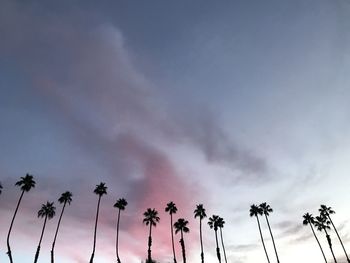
(322,223)
(221,223)
(100,190)
(171,209)
(200,212)
(120,204)
(256,211)
(65,198)
(181,226)
(310,220)
(26,183)
(266,211)
(327,211)
(213,224)
(151,219)
(47,211)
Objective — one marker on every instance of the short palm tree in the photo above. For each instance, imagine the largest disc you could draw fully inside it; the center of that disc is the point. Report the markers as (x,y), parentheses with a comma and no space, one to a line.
(181,226)
(120,204)
(200,212)
(322,224)
(100,190)
(26,183)
(257,211)
(66,198)
(308,219)
(266,211)
(151,218)
(221,224)
(327,211)
(171,209)
(46,211)
(213,224)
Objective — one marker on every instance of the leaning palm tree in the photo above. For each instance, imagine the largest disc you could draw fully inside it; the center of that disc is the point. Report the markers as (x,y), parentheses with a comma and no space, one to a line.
(26,183)
(221,224)
(266,211)
(181,226)
(171,209)
(310,220)
(200,212)
(120,204)
(66,198)
(213,224)
(257,211)
(322,223)
(47,211)
(327,211)
(151,218)
(100,190)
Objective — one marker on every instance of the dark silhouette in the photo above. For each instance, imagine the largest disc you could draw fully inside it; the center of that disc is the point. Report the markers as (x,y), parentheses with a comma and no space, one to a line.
(213,224)
(266,211)
(181,225)
(327,211)
(151,219)
(171,209)
(0,188)
(221,224)
(100,190)
(200,212)
(65,198)
(26,183)
(310,220)
(322,223)
(47,211)
(120,204)
(256,211)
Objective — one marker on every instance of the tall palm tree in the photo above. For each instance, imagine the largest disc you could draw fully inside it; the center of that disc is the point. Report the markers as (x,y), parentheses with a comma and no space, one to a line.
(310,220)
(257,211)
(327,211)
(151,218)
(221,224)
(266,211)
(66,198)
(322,223)
(181,226)
(200,212)
(47,211)
(100,190)
(26,183)
(213,224)
(171,209)
(120,204)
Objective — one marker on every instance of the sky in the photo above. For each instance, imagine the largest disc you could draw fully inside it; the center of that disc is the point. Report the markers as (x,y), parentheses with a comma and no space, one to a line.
(223,103)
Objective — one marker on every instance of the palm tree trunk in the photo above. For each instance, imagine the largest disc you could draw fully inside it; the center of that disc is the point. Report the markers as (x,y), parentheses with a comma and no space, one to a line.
(41,238)
(117,238)
(222,243)
(330,244)
(200,236)
(172,236)
(273,241)
(182,242)
(262,240)
(347,258)
(94,246)
(149,251)
(8,235)
(217,247)
(313,231)
(54,239)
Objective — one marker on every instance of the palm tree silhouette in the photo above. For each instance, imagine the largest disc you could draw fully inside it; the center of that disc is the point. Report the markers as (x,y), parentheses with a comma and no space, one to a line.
(151,218)
(200,212)
(310,220)
(322,223)
(256,211)
(47,211)
(327,211)
(100,190)
(221,224)
(266,211)
(181,226)
(171,209)
(120,204)
(65,198)
(26,183)
(213,224)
